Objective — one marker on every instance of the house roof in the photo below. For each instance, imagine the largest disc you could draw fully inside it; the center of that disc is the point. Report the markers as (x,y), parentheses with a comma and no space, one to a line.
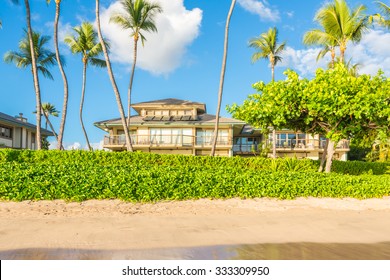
(170,103)
(7,119)
(203,119)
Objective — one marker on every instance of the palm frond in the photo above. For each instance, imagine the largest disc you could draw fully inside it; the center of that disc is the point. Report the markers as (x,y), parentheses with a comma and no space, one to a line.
(98,62)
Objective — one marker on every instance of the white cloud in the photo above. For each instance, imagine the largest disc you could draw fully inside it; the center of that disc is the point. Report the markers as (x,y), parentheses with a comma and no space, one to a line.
(98,146)
(77,146)
(260,8)
(303,61)
(163,51)
(74,146)
(372,53)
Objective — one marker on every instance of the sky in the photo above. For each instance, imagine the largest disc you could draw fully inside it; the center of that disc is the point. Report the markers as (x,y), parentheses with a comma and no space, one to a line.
(182,60)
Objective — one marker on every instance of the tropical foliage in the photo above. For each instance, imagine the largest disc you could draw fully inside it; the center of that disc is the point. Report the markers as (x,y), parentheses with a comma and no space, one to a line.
(78,176)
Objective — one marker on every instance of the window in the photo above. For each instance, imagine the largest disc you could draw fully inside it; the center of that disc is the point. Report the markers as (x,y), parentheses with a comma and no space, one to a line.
(205,136)
(171,136)
(5,132)
(290,140)
(33,138)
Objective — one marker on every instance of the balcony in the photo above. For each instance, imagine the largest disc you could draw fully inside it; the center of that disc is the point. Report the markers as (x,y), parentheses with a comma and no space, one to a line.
(292,145)
(162,141)
(307,144)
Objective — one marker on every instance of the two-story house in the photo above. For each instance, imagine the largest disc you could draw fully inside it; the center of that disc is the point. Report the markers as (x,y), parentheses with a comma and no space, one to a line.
(174,126)
(17,133)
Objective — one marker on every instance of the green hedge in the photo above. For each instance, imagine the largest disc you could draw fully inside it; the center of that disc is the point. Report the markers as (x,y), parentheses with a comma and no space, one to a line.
(80,175)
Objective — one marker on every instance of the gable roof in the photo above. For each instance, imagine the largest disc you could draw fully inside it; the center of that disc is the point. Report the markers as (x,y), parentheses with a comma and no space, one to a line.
(7,119)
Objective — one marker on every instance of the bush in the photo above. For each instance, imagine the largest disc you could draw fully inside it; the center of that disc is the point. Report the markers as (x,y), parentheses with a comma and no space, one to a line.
(81,175)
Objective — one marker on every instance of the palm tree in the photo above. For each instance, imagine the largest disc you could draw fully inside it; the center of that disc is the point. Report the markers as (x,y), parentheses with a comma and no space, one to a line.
(139,17)
(44,57)
(268,48)
(48,110)
(34,72)
(385,21)
(64,78)
(85,43)
(112,79)
(340,25)
(222,78)
(321,37)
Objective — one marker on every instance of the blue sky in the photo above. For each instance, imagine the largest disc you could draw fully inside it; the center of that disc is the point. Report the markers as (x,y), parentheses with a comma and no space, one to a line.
(182,61)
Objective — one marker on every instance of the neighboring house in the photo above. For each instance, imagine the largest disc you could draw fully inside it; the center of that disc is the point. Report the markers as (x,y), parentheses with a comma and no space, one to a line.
(174,126)
(17,133)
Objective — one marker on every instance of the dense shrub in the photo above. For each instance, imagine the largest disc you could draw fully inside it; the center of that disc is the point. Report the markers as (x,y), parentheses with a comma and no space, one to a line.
(80,175)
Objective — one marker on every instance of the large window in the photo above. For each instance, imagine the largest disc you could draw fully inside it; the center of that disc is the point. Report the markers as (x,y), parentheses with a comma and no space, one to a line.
(289,140)
(246,144)
(205,136)
(5,132)
(171,136)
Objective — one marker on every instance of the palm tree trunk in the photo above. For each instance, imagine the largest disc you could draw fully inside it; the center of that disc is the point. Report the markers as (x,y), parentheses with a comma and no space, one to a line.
(273,131)
(222,78)
(50,124)
(65,80)
(323,157)
(131,81)
(274,143)
(35,76)
(329,156)
(112,79)
(82,104)
(333,55)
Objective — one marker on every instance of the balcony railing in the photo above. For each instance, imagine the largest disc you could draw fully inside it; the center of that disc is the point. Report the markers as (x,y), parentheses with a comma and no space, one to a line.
(307,144)
(165,140)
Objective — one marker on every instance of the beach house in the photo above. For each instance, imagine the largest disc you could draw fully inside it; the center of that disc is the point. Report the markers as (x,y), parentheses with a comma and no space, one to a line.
(17,133)
(174,126)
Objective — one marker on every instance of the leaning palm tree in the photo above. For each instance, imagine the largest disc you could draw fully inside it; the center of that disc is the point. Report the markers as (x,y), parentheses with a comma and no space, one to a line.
(268,48)
(64,78)
(48,110)
(222,78)
(139,17)
(112,79)
(324,39)
(85,43)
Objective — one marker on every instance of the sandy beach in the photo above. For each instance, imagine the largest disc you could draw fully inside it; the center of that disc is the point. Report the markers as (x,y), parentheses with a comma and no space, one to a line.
(117,225)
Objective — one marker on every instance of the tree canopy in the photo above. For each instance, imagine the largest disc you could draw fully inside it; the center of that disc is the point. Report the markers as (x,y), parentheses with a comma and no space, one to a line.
(334,103)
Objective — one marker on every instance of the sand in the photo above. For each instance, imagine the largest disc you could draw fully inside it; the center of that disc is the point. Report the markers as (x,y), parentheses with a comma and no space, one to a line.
(117,225)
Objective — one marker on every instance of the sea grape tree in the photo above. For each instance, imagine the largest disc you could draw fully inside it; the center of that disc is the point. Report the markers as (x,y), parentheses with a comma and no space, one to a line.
(333,103)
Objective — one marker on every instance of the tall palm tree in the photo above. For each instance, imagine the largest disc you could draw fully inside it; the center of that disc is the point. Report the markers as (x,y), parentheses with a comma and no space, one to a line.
(85,43)
(268,48)
(340,25)
(62,71)
(35,73)
(139,17)
(222,78)
(129,147)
